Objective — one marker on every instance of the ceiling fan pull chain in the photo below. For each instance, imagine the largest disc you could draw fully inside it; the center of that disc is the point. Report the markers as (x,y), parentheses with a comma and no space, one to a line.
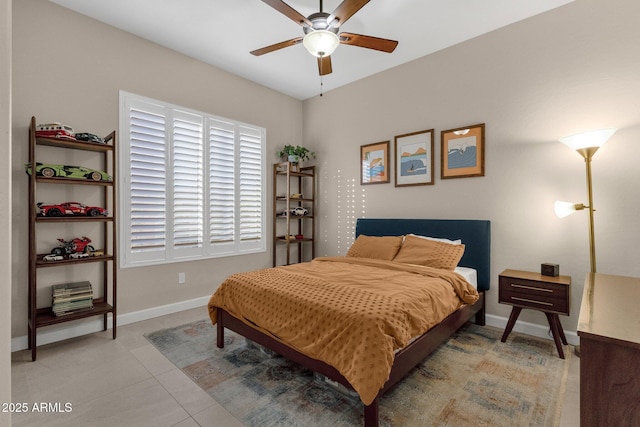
(321,61)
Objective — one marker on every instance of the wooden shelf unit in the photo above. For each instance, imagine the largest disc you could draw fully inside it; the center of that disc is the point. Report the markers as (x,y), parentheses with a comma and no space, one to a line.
(290,179)
(39,317)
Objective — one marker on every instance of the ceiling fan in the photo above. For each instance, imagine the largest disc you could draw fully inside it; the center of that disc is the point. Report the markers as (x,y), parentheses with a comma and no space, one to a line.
(321,36)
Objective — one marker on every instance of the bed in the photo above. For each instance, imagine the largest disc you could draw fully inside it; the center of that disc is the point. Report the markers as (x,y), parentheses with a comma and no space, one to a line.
(474,234)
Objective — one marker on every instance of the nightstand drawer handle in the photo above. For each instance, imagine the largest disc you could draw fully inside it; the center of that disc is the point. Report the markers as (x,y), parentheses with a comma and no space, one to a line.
(531,287)
(530,300)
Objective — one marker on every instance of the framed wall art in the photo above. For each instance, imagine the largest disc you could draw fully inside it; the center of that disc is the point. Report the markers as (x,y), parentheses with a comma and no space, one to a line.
(462,152)
(374,163)
(414,158)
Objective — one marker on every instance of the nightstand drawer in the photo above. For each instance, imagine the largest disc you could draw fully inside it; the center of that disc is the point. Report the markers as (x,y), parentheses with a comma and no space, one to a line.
(548,297)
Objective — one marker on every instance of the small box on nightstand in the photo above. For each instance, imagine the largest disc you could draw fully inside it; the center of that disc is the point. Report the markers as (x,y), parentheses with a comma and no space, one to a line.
(547,269)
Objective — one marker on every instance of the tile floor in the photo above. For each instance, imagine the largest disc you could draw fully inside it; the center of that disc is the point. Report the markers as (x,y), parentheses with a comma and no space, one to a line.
(127,382)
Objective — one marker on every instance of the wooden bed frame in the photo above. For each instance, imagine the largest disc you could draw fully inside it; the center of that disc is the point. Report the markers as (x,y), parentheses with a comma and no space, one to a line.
(475,234)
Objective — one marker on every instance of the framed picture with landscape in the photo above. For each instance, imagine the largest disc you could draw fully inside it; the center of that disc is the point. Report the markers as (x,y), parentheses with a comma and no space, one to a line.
(462,153)
(414,158)
(374,163)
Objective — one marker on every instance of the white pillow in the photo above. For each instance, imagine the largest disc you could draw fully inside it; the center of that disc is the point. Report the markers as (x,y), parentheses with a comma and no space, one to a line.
(438,239)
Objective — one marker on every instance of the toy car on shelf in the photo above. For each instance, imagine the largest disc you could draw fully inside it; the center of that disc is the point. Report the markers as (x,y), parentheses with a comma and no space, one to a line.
(52,257)
(299,211)
(78,255)
(89,137)
(55,130)
(96,253)
(72,246)
(48,170)
(70,209)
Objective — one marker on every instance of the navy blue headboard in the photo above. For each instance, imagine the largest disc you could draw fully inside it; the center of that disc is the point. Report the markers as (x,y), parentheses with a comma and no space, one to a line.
(475,234)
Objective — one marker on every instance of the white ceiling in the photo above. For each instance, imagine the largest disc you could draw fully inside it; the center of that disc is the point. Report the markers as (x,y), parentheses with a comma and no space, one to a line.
(223,32)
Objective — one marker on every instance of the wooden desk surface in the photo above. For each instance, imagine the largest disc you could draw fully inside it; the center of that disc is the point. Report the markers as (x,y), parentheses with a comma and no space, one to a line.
(610,309)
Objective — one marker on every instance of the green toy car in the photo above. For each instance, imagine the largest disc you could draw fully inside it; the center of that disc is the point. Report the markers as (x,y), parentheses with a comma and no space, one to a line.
(78,172)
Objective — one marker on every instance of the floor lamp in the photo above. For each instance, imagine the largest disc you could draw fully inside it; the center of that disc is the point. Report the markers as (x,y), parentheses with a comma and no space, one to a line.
(586,144)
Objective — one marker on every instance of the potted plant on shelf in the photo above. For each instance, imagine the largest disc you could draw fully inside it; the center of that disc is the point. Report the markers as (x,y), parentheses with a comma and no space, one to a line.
(296,154)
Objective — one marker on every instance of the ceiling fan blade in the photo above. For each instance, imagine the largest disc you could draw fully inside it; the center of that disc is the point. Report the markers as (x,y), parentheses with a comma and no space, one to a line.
(384,45)
(344,11)
(289,12)
(276,46)
(324,65)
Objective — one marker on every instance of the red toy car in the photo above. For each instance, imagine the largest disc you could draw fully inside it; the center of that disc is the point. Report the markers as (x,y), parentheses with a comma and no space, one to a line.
(70,208)
(73,246)
(55,130)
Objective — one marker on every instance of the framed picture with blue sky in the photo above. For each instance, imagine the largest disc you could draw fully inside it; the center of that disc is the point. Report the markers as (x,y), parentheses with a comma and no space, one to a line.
(414,158)
(374,163)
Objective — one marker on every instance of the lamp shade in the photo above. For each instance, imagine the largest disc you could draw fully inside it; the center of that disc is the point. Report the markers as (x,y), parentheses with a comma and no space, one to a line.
(591,139)
(563,209)
(321,42)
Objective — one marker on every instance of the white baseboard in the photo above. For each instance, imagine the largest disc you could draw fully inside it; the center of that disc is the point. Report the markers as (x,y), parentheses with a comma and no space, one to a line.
(76,329)
(541,331)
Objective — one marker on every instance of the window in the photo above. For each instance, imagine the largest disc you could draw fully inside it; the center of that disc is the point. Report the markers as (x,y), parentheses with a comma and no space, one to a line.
(192,184)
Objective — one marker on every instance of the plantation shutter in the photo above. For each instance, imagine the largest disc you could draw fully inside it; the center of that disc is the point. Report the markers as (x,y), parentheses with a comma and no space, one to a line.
(192,184)
(188,191)
(222,184)
(147,182)
(250,193)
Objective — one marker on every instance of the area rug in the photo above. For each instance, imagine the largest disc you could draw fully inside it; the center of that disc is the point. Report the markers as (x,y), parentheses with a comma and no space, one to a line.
(471,380)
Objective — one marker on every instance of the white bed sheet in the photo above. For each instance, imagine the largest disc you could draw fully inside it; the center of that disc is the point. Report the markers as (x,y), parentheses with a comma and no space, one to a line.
(470,275)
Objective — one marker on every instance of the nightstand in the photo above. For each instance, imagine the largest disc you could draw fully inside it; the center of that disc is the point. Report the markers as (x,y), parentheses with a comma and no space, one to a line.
(549,294)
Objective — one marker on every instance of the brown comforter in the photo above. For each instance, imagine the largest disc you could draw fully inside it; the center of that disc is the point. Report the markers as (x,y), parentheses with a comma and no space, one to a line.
(351,313)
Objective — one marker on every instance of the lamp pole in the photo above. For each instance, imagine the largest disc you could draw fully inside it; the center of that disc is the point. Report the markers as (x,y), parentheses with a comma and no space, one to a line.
(588,153)
(587,144)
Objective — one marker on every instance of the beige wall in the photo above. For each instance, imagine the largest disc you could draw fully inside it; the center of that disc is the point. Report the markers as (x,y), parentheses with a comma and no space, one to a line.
(5,215)
(70,68)
(569,70)
(565,71)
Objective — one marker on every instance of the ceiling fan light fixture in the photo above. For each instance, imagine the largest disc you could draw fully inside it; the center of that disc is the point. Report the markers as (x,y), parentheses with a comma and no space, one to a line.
(321,42)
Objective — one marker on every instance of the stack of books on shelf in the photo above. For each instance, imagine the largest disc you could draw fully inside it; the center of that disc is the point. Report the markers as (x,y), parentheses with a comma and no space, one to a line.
(71,297)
